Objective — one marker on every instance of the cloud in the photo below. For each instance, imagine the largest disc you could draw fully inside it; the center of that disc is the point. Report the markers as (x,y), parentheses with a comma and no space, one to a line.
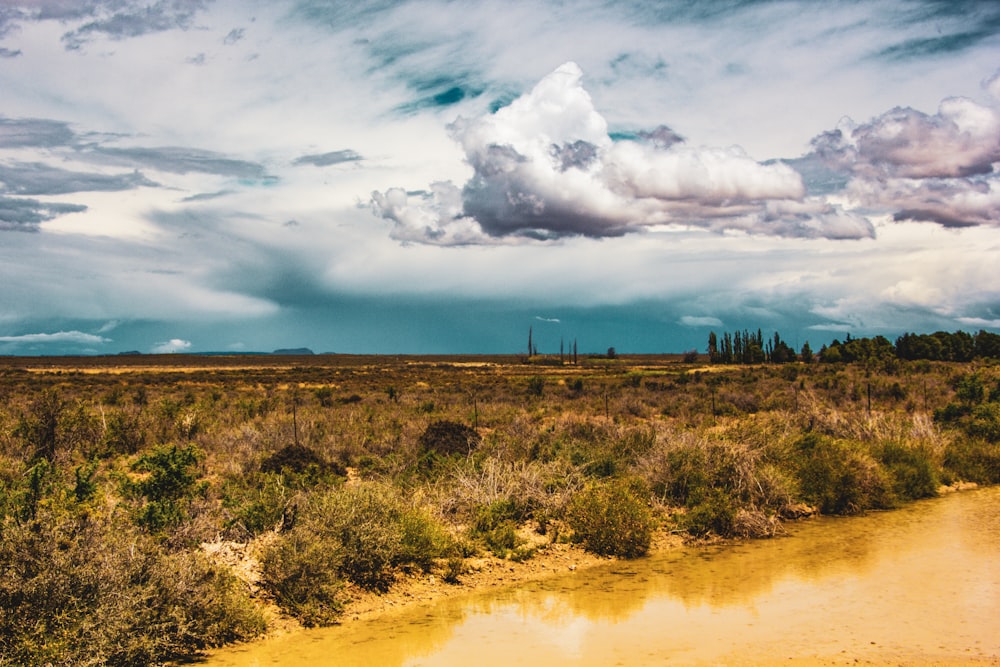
(9,53)
(25,215)
(235,35)
(551,320)
(60,337)
(962,139)
(546,167)
(180,160)
(947,27)
(121,20)
(696,321)
(918,166)
(327,159)
(36,178)
(172,346)
(34,132)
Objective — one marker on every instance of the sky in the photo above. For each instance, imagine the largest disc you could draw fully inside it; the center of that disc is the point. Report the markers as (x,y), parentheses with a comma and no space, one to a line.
(431,176)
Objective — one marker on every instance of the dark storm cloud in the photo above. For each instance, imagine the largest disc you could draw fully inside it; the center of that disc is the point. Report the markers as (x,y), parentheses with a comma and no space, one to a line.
(328,159)
(25,215)
(34,132)
(179,160)
(34,178)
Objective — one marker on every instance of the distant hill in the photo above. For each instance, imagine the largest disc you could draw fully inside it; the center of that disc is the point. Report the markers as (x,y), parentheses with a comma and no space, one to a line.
(296,351)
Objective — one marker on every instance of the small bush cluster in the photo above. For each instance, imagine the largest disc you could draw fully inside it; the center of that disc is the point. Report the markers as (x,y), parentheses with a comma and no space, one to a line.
(92,589)
(612,518)
(359,533)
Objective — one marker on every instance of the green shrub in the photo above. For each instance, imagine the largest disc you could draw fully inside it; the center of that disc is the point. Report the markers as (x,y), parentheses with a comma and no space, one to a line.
(171,481)
(39,428)
(612,518)
(90,590)
(713,512)
(257,502)
(376,530)
(301,570)
(984,422)
(839,478)
(911,469)
(973,460)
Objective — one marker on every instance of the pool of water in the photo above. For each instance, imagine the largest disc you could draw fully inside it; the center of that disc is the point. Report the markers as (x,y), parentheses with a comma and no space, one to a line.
(914,586)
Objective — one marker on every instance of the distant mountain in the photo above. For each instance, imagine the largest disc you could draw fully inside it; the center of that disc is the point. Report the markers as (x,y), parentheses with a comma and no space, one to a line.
(297,351)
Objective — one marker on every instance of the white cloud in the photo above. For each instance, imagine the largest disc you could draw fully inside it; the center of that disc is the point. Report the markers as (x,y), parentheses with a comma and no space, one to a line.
(546,167)
(172,346)
(700,321)
(59,337)
(938,168)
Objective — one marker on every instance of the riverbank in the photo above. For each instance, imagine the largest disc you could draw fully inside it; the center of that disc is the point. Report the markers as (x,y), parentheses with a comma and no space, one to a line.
(882,588)
(414,587)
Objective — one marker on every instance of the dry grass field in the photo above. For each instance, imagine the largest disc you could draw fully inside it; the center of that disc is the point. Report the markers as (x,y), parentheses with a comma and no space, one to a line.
(154,506)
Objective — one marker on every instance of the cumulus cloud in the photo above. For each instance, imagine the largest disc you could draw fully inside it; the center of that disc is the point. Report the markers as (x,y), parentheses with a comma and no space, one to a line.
(61,337)
(545,166)
(918,166)
(961,139)
(172,346)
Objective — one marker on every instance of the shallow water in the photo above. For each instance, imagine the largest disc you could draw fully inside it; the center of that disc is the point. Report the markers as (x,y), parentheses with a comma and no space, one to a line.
(915,586)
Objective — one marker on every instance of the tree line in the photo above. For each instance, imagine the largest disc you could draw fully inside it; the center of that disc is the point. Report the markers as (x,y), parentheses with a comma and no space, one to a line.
(748,347)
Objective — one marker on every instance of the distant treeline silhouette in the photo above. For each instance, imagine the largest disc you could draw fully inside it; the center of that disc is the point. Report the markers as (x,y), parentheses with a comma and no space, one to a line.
(748,347)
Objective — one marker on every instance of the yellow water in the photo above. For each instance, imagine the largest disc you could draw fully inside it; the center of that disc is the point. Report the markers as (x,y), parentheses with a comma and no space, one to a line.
(915,586)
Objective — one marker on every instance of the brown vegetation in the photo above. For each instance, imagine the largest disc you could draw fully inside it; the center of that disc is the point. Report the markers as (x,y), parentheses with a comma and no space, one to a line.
(330,475)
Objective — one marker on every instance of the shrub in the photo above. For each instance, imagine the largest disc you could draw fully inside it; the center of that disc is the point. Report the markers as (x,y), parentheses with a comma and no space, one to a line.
(375,530)
(911,470)
(300,569)
(88,590)
(496,524)
(302,465)
(171,481)
(973,460)
(258,502)
(612,518)
(39,429)
(840,479)
(447,437)
(714,511)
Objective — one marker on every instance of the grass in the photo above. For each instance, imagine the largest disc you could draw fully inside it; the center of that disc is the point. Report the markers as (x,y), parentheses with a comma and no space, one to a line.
(342,471)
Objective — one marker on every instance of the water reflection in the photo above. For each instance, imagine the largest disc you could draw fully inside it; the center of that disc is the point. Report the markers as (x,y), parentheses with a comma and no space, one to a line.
(920,585)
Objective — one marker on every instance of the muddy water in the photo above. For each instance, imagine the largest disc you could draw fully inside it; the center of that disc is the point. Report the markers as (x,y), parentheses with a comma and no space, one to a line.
(915,586)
